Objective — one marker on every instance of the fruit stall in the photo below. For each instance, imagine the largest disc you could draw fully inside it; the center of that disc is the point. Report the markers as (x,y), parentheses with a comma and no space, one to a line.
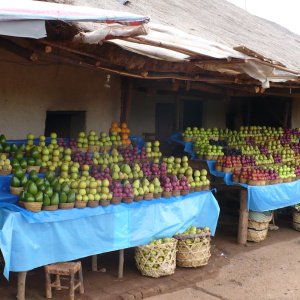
(94,194)
(262,162)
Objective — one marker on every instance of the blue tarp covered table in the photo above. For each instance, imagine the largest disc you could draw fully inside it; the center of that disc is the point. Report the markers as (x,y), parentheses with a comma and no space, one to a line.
(267,197)
(188,146)
(30,240)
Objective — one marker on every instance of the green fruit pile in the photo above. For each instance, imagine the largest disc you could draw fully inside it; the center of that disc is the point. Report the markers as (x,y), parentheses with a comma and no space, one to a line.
(5,163)
(4,146)
(19,178)
(34,158)
(19,160)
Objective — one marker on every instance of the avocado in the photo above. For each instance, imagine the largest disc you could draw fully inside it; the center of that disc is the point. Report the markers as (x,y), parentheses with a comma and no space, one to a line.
(46,200)
(71,197)
(19,155)
(54,181)
(39,197)
(38,162)
(22,147)
(14,148)
(15,163)
(2,138)
(18,172)
(46,182)
(35,153)
(22,196)
(49,191)
(42,188)
(65,187)
(63,198)
(32,188)
(15,182)
(39,181)
(50,175)
(23,180)
(6,148)
(31,161)
(29,197)
(23,163)
(33,175)
(57,187)
(1,148)
(55,199)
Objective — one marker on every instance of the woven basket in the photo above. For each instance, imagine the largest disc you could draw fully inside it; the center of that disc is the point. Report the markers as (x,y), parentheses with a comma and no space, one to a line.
(184,192)
(157,195)
(104,202)
(257,231)
(198,189)
(67,205)
(16,190)
(35,168)
(193,251)
(50,207)
(148,196)
(176,193)
(5,172)
(80,204)
(296,220)
(156,260)
(33,206)
(127,200)
(206,187)
(187,139)
(93,148)
(167,194)
(116,200)
(138,198)
(93,203)
(44,169)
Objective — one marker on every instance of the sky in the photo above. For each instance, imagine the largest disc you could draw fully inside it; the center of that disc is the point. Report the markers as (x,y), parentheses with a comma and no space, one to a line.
(283,12)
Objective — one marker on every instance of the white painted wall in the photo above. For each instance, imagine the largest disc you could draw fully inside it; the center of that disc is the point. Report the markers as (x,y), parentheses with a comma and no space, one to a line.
(27,91)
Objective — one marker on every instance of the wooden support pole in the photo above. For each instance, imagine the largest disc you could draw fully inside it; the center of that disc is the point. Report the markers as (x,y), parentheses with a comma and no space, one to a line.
(21,285)
(95,263)
(243,220)
(121,264)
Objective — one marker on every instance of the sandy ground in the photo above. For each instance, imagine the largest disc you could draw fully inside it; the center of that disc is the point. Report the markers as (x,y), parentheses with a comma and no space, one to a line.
(265,273)
(268,270)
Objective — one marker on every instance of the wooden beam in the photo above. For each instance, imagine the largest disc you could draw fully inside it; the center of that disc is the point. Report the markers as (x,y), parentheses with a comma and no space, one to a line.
(10,46)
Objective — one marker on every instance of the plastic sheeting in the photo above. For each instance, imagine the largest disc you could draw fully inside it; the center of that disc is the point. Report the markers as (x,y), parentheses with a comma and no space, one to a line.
(30,240)
(267,197)
(188,146)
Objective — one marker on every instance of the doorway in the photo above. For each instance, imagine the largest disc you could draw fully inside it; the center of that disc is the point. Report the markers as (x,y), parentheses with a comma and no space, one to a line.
(192,113)
(165,115)
(65,123)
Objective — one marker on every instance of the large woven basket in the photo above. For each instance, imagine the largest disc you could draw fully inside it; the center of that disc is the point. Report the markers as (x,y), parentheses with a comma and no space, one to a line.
(257,231)
(193,251)
(156,260)
(296,220)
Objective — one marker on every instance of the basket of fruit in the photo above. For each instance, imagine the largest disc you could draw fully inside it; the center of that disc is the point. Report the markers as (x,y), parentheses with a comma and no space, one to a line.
(296,217)
(193,247)
(258,226)
(157,258)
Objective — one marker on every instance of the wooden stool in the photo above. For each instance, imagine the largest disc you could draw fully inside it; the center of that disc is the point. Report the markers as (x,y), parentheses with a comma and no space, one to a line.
(64,269)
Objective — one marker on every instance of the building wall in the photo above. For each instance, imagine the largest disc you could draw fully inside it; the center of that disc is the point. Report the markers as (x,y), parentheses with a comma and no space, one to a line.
(142,114)
(28,90)
(295,122)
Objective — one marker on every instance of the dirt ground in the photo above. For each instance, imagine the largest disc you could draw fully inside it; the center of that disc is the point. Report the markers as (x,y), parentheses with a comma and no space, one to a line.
(257,271)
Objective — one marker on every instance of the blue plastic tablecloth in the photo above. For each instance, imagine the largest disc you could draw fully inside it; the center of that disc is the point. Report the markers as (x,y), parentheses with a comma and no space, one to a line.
(267,197)
(188,146)
(138,141)
(29,240)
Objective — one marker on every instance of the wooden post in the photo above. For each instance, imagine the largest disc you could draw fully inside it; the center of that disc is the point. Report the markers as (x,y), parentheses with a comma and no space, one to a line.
(121,263)
(95,263)
(243,220)
(72,285)
(21,285)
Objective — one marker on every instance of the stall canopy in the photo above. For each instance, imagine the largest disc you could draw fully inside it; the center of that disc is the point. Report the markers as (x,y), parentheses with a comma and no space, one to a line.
(198,41)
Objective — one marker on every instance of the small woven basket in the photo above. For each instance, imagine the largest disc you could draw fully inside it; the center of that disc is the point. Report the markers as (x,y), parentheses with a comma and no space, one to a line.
(184,192)
(104,202)
(43,169)
(157,195)
(5,172)
(93,203)
(50,207)
(33,206)
(176,193)
(67,205)
(116,200)
(35,168)
(127,200)
(193,250)
(80,204)
(148,196)
(93,148)
(16,190)
(296,220)
(156,260)
(138,198)
(198,189)
(167,194)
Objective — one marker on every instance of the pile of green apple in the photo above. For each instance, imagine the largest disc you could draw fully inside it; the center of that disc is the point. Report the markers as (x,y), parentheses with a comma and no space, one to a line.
(5,164)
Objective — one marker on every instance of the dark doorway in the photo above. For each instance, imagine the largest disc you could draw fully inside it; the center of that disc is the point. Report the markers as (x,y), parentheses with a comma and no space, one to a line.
(65,123)
(164,120)
(192,114)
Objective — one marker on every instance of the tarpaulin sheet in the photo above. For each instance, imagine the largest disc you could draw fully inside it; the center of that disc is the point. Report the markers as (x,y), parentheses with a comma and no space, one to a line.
(267,197)
(188,146)
(138,141)
(30,240)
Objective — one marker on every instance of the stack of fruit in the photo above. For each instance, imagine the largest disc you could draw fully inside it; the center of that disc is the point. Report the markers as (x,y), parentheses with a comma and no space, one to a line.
(82,142)
(93,141)
(34,160)
(18,181)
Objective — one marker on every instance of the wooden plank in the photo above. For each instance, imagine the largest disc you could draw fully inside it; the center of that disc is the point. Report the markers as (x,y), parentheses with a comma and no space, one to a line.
(243,220)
